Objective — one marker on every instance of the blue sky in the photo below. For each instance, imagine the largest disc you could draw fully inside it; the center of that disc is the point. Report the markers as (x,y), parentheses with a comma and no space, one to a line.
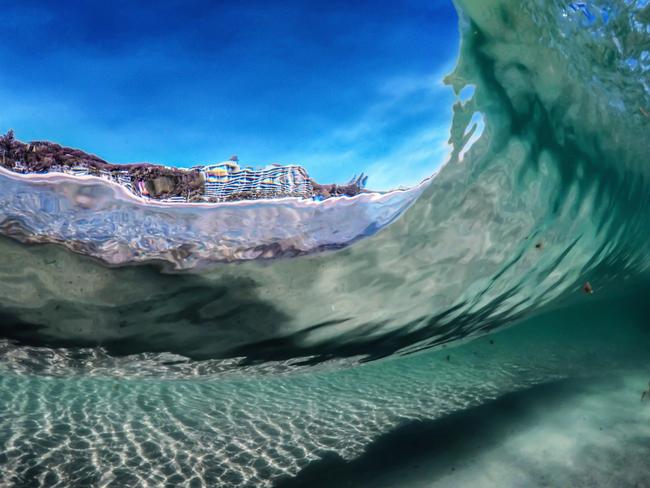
(339,87)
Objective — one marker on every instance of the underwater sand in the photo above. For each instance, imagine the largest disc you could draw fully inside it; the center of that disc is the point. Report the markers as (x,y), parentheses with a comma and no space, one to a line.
(361,357)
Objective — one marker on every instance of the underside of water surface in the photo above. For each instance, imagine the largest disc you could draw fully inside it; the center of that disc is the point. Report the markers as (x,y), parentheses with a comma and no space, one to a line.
(486,328)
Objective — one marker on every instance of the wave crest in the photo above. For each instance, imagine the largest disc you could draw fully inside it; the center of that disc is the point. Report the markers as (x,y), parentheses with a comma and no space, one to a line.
(552,194)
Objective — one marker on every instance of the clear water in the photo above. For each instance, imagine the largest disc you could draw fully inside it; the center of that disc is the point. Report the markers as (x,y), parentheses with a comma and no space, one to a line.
(287,356)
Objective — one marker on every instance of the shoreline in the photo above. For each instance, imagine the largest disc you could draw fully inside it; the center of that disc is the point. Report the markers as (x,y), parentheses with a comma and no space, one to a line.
(211,183)
(369,196)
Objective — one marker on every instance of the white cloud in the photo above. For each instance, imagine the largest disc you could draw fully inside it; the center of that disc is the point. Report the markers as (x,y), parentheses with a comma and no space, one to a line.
(396,141)
(415,159)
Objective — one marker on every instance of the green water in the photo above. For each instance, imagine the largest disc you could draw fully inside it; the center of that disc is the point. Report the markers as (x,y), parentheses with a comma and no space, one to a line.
(555,400)
(455,347)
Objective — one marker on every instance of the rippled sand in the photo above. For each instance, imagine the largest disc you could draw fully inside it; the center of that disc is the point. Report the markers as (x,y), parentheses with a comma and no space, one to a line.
(492,411)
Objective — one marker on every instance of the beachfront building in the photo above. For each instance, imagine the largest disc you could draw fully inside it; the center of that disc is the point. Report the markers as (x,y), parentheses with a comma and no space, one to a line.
(227,181)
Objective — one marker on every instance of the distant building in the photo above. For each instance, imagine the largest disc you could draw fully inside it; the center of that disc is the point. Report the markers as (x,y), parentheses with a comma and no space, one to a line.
(227,181)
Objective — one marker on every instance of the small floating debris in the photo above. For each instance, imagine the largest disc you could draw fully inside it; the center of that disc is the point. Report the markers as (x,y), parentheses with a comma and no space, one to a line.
(587,288)
(539,245)
(645,394)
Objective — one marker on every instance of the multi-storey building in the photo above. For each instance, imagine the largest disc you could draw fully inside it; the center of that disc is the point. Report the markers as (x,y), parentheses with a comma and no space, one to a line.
(227,181)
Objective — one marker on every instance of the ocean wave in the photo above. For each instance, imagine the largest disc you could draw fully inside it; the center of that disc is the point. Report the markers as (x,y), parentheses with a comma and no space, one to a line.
(150,344)
(552,193)
(102,219)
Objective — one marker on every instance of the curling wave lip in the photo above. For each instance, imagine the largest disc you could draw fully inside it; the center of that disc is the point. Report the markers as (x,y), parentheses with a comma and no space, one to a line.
(102,219)
(557,162)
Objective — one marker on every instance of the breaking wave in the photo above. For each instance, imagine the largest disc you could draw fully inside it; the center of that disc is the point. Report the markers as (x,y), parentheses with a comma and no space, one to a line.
(546,189)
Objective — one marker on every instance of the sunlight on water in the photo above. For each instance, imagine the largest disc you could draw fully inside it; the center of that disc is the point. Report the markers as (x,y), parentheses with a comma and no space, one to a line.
(280,355)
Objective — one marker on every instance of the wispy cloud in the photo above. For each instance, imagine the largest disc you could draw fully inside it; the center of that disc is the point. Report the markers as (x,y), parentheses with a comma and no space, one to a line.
(416,158)
(339,87)
(398,140)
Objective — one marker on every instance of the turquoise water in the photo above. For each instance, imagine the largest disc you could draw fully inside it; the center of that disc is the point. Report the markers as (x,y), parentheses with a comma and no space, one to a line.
(551,402)
(443,340)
